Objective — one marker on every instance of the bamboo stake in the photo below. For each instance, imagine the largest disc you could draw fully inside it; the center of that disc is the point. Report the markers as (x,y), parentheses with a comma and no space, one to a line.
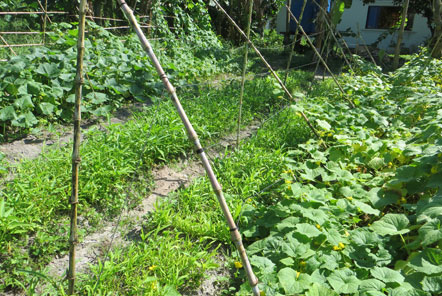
(294,40)
(435,45)
(397,50)
(30,12)
(324,46)
(332,31)
(7,45)
(267,65)
(365,45)
(193,137)
(322,61)
(244,67)
(287,24)
(73,236)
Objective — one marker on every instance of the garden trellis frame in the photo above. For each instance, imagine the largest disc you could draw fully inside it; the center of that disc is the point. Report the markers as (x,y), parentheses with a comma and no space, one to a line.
(193,137)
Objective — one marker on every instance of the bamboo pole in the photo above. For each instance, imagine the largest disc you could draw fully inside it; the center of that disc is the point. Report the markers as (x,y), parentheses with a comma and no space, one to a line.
(73,236)
(7,45)
(322,61)
(294,39)
(332,31)
(267,65)
(193,137)
(397,50)
(22,45)
(244,67)
(31,12)
(365,45)
(324,46)
(287,24)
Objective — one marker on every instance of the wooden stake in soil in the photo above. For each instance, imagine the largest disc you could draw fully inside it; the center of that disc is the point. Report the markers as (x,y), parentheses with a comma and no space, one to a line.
(73,236)
(244,67)
(352,105)
(235,235)
(294,39)
(397,50)
(267,65)
(365,45)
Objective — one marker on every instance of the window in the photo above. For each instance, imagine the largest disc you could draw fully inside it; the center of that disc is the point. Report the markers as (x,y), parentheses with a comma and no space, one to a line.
(386,17)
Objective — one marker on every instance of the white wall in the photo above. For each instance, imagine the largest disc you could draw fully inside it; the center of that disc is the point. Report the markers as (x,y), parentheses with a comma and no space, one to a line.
(357,14)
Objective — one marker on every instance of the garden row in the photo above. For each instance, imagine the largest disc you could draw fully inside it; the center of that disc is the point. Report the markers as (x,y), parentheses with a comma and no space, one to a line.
(34,205)
(360,217)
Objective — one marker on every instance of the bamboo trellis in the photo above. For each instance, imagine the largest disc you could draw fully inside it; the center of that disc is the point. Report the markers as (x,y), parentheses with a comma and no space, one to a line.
(352,105)
(294,39)
(244,67)
(73,236)
(286,91)
(193,137)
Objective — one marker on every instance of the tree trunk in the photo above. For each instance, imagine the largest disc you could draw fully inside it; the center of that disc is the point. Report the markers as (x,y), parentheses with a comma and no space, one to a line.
(436,43)
(397,50)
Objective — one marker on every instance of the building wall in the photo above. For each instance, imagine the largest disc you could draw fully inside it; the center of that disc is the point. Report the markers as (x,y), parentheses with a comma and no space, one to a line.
(357,15)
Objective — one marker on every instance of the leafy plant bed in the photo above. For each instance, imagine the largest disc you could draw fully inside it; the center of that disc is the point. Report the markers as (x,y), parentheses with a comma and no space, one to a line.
(34,204)
(361,217)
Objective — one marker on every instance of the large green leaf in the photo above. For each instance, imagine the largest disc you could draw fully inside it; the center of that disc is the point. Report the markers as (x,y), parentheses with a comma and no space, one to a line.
(344,281)
(387,275)
(428,261)
(430,232)
(432,284)
(292,282)
(391,224)
(320,290)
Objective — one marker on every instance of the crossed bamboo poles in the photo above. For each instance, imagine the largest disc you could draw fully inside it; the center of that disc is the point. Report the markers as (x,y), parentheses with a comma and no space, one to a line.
(235,235)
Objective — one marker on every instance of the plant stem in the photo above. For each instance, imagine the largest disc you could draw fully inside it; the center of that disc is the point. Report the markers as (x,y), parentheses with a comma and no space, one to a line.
(244,67)
(73,236)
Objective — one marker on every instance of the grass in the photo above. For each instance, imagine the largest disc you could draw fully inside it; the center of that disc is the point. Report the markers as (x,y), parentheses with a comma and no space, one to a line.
(36,199)
(194,211)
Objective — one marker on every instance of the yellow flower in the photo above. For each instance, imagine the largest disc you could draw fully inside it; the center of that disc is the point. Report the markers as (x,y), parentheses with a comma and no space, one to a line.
(350,198)
(336,248)
(346,233)
(403,200)
(318,226)
(297,274)
(341,245)
(288,181)
(262,293)
(302,263)
(153,267)
(153,286)
(238,264)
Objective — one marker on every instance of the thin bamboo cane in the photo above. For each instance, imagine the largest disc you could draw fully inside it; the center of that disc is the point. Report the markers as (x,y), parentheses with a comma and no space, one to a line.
(31,12)
(365,45)
(22,45)
(73,236)
(294,40)
(193,137)
(267,65)
(324,46)
(397,50)
(244,67)
(287,24)
(332,31)
(352,105)
(7,45)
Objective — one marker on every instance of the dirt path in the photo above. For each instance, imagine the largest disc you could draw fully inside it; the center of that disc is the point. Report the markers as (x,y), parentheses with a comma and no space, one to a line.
(166,180)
